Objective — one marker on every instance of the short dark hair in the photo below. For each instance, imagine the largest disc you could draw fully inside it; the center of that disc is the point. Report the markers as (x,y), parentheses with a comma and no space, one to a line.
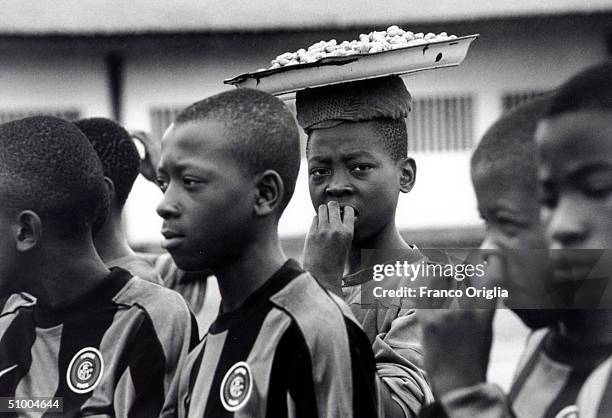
(47,165)
(589,89)
(392,134)
(116,150)
(510,143)
(265,134)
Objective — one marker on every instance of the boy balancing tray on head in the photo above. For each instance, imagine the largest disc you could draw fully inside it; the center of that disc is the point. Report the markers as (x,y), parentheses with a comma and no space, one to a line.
(358,166)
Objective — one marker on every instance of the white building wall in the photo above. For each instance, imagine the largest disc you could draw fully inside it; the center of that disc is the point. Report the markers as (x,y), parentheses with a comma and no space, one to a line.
(443,197)
(39,79)
(521,55)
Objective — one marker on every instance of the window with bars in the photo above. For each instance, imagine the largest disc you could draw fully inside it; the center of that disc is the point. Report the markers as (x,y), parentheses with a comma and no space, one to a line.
(512,99)
(69,113)
(441,123)
(162,117)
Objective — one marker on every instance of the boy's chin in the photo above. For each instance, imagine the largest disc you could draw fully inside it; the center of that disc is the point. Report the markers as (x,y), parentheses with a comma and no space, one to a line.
(539,318)
(189,263)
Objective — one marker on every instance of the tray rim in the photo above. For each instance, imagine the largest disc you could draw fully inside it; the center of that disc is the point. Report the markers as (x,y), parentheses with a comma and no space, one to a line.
(338,61)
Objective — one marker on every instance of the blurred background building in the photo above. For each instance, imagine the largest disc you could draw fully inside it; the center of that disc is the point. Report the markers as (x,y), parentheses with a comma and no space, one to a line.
(140,61)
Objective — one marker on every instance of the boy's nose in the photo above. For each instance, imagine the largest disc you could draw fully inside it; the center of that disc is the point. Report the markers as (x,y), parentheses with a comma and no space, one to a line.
(167,209)
(566,227)
(339,187)
(339,190)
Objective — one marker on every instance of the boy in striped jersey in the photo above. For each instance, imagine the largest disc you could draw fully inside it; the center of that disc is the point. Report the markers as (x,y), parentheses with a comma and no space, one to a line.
(566,344)
(281,345)
(575,141)
(358,165)
(107,343)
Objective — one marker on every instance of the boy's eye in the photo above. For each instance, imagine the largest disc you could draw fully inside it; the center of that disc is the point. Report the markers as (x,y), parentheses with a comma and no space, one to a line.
(190,181)
(361,168)
(598,188)
(320,172)
(162,183)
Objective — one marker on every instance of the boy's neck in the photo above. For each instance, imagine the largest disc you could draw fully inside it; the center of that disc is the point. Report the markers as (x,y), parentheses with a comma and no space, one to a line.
(66,272)
(587,327)
(240,278)
(110,241)
(388,238)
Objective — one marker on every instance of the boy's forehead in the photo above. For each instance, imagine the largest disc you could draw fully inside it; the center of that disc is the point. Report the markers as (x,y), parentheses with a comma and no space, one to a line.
(202,144)
(577,135)
(194,136)
(346,138)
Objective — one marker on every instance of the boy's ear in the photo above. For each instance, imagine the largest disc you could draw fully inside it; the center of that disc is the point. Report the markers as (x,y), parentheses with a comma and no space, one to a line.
(28,230)
(408,174)
(110,188)
(269,193)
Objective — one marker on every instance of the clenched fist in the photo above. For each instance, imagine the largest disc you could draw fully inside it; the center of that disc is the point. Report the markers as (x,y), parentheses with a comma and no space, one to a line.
(328,243)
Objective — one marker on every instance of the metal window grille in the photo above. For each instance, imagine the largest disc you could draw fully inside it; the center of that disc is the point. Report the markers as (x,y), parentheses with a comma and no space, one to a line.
(512,99)
(444,123)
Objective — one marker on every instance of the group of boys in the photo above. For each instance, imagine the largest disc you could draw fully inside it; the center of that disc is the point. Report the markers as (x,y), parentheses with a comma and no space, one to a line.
(87,320)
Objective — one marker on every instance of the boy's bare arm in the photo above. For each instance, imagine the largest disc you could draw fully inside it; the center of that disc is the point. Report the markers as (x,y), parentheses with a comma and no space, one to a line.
(457,343)
(328,243)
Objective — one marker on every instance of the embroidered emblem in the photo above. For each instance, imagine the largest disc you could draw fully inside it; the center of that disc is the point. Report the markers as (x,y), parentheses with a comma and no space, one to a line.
(568,412)
(85,370)
(236,386)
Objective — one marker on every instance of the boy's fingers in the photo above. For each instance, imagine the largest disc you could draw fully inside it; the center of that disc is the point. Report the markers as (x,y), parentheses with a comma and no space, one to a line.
(349,217)
(322,215)
(334,213)
(314,225)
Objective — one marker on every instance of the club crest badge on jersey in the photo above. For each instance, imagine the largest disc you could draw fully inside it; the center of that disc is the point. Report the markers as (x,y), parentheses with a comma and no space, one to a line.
(568,412)
(85,370)
(236,386)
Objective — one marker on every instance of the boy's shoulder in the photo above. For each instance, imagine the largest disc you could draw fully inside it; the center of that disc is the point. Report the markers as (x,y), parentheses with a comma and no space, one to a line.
(312,308)
(155,299)
(137,266)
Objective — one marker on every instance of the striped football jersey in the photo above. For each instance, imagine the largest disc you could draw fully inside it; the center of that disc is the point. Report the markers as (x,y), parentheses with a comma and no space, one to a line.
(290,350)
(114,352)
(595,398)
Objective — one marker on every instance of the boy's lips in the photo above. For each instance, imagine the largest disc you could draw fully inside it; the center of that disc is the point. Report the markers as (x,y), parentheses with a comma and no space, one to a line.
(171,239)
(571,266)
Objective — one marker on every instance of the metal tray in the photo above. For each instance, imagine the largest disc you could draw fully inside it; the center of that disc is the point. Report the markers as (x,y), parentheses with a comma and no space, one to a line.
(336,70)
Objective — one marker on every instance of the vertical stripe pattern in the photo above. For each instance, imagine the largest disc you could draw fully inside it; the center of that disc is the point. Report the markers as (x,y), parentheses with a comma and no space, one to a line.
(290,350)
(113,353)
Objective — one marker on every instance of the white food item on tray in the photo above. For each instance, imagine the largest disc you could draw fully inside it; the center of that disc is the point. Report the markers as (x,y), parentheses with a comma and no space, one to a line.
(377,41)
